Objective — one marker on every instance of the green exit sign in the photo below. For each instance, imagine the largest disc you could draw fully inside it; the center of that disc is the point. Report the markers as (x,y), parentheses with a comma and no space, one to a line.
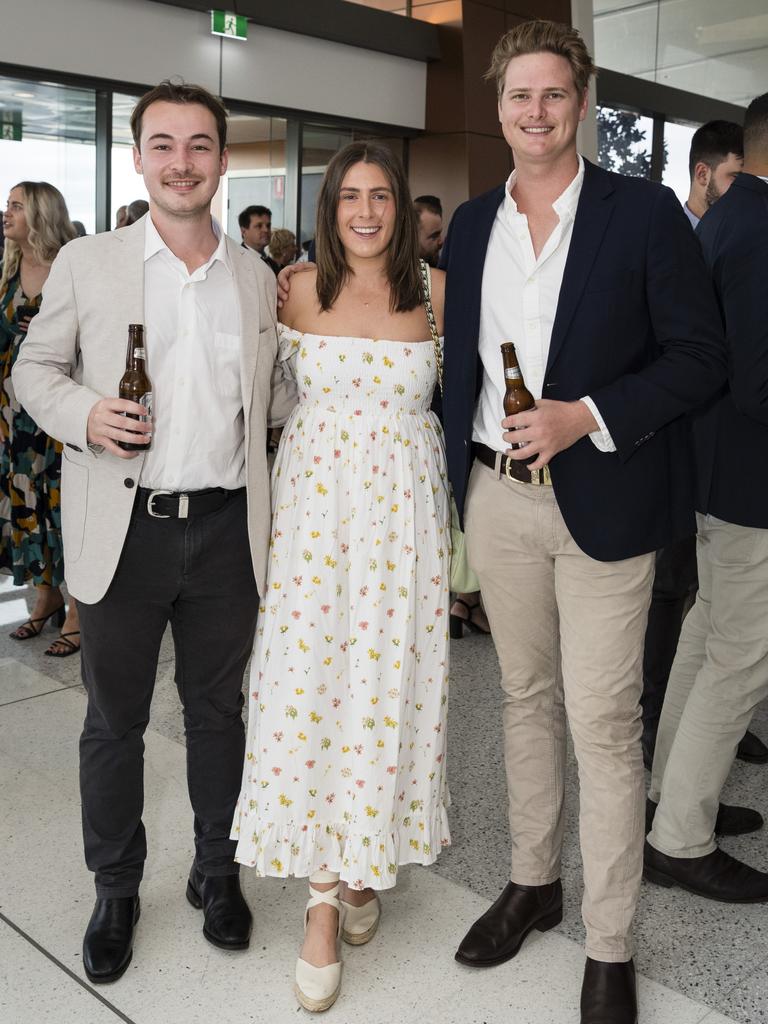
(10,125)
(233,26)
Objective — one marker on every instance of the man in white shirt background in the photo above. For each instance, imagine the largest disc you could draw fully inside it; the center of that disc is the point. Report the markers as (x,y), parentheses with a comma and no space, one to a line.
(600,283)
(166,535)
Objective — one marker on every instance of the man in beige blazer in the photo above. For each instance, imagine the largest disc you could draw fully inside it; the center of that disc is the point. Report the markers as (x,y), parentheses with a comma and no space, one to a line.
(177,532)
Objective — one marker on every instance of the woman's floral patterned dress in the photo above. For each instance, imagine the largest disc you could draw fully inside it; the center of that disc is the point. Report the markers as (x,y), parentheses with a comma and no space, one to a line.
(345,760)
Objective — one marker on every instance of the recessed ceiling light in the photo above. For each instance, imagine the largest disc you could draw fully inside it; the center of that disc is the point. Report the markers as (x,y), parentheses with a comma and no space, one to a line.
(24,95)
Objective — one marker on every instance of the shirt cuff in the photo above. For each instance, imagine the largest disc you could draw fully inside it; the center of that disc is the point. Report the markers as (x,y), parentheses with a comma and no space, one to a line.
(600,438)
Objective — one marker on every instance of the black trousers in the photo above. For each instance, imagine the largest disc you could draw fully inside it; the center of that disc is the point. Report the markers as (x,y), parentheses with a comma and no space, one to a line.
(674,590)
(197,574)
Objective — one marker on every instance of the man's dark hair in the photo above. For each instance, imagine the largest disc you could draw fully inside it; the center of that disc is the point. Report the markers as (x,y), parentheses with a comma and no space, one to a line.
(430,203)
(712,143)
(180,92)
(756,124)
(244,219)
(135,211)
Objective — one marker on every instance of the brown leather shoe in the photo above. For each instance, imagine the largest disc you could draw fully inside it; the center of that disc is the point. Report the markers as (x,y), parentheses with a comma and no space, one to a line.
(731,821)
(609,993)
(716,876)
(498,935)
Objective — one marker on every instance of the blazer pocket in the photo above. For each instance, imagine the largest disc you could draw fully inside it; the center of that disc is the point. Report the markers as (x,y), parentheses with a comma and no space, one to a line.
(74,507)
(226,364)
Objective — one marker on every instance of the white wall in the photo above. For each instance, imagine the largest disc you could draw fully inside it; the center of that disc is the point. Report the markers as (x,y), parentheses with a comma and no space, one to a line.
(142,42)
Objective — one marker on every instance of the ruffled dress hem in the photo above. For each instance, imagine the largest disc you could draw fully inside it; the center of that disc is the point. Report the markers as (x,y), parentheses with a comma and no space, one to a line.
(363,860)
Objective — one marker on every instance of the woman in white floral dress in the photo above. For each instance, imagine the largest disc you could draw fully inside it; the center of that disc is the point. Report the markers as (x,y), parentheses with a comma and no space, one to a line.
(344,777)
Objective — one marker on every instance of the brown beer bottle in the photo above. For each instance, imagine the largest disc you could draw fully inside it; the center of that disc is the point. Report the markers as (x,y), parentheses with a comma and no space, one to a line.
(135,384)
(517,397)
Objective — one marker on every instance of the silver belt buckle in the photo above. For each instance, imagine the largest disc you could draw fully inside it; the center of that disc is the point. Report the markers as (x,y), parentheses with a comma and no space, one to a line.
(150,500)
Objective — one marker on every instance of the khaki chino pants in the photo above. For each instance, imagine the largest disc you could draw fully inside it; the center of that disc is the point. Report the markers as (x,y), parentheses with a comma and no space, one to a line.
(569,634)
(719,676)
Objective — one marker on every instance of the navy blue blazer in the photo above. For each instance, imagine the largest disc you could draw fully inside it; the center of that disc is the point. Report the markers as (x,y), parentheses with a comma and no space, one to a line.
(731,437)
(637,329)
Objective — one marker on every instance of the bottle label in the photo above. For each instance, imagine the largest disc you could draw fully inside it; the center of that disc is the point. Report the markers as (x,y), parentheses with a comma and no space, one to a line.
(513,373)
(146,401)
(139,353)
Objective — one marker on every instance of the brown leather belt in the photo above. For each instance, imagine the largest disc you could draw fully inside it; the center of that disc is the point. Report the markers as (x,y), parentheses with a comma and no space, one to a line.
(513,470)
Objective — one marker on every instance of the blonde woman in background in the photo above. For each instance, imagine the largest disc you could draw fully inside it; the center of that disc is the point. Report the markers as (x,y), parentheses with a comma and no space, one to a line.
(282,247)
(36,225)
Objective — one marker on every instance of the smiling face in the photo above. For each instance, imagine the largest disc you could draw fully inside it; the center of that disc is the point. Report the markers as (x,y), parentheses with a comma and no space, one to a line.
(540,109)
(15,227)
(179,158)
(365,215)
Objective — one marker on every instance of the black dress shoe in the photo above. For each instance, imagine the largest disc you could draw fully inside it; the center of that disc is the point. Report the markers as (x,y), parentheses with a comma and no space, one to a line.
(108,942)
(609,993)
(498,935)
(716,876)
(752,749)
(730,821)
(228,920)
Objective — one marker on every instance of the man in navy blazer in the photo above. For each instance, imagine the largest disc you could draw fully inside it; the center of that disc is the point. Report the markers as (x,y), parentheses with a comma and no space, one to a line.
(599,282)
(720,672)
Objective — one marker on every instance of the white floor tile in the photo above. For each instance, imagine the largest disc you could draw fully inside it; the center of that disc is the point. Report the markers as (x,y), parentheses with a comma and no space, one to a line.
(406,975)
(35,991)
(19,681)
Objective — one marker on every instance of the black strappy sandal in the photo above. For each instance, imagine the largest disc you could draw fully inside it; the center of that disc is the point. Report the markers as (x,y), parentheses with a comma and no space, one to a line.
(70,648)
(31,629)
(458,622)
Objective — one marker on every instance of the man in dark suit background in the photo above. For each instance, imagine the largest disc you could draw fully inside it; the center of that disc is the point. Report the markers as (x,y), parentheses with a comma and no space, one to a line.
(720,672)
(601,285)
(716,157)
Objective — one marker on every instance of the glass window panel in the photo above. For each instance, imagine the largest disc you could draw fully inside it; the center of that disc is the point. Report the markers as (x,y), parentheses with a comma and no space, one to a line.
(57,125)
(256,175)
(677,145)
(624,141)
(319,145)
(702,46)
(127,185)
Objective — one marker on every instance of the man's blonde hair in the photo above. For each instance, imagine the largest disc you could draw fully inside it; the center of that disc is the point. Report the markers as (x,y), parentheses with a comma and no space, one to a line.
(542,37)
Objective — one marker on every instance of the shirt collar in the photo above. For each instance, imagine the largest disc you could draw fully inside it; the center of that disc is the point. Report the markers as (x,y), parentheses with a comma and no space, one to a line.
(154,244)
(565,204)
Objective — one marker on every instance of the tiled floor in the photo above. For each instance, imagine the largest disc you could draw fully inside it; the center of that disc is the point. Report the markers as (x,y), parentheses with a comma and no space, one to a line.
(700,962)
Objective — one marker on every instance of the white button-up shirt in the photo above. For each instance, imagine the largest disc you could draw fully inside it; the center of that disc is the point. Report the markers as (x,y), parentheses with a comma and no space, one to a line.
(192,332)
(519,302)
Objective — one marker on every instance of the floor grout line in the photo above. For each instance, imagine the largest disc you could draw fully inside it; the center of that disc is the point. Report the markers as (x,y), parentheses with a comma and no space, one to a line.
(63,967)
(61,688)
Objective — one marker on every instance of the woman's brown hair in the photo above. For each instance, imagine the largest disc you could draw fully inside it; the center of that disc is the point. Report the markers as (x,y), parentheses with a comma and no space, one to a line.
(403,253)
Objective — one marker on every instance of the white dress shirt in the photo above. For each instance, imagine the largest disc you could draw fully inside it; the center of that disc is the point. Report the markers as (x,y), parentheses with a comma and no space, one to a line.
(691,216)
(519,302)
(192,332)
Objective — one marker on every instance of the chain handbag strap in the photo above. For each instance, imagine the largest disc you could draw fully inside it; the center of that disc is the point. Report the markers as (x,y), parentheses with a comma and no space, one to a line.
(426,281)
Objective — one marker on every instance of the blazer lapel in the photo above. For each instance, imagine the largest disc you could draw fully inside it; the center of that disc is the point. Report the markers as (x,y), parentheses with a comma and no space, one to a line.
(247,290)
(470,285)
(592,216)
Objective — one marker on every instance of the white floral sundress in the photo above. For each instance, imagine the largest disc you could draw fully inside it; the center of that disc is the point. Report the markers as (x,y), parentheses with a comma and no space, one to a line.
(345,758)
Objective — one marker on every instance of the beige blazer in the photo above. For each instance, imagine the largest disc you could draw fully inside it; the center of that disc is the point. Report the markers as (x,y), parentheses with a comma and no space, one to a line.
(74,355)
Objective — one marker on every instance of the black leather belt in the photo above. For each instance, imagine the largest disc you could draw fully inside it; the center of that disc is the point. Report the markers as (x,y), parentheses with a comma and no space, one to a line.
(502,465)
(161,504)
